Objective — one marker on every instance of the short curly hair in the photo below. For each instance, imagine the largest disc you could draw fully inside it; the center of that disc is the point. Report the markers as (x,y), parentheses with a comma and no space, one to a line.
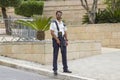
(58,12)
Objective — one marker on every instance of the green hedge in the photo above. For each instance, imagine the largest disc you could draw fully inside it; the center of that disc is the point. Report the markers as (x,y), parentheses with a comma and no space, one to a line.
(30,8)
(10,3)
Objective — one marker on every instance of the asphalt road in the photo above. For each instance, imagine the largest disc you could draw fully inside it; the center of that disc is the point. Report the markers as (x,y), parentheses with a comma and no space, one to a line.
(7,73)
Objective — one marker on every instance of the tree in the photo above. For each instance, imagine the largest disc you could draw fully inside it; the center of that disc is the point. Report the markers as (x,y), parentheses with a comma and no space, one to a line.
(90,11)
(4,4)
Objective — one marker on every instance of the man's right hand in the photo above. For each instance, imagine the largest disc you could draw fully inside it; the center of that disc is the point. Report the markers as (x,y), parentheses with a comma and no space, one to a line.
(58,41)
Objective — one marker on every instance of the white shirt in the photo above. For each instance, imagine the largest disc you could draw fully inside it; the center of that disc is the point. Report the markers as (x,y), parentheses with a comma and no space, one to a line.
(62,27)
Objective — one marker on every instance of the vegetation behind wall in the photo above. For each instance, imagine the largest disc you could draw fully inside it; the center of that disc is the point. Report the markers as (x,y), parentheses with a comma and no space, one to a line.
(30,8)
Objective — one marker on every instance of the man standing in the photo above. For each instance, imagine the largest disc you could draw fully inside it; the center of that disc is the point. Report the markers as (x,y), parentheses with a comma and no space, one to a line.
(59,38)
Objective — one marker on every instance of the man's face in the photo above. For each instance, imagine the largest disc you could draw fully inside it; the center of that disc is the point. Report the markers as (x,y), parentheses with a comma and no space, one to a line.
(59,16)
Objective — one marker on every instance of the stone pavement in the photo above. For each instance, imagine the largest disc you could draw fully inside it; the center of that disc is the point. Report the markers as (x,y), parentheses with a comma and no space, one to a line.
(105,66)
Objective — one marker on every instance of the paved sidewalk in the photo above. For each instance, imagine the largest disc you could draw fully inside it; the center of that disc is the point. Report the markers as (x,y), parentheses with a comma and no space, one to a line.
(99,67)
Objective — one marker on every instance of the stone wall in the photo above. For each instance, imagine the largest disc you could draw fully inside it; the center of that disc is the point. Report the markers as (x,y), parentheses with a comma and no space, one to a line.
(108,34)
(41,52)
(72,10)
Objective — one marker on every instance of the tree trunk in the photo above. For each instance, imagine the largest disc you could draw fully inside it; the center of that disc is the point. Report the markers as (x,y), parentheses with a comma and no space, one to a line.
(5,17)
(90,11)
(91,17)
(93,11)
(40,35)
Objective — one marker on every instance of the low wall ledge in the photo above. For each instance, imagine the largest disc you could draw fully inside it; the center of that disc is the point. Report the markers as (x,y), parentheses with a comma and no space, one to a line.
(47,41)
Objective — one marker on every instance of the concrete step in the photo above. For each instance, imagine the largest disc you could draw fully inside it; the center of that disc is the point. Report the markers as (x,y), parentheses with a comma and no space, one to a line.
(61,3)
(66,13)
(63,7)
(70,18)
(72,2)
(68,7)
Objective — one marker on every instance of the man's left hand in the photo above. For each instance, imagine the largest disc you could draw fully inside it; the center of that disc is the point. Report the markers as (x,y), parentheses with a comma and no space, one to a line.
(66,43)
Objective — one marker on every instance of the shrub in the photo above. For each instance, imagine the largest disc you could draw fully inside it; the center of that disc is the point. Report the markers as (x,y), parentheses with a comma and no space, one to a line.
(39,23)
(30,8)
(105,16)
(85,19)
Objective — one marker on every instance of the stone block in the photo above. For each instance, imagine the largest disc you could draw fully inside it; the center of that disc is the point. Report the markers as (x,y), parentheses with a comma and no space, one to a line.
(5,49)
(38,48)
(48,48)
(24,49)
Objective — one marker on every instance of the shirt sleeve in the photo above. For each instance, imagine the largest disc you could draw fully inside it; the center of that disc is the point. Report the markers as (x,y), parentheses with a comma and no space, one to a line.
(65,28)
(52,26)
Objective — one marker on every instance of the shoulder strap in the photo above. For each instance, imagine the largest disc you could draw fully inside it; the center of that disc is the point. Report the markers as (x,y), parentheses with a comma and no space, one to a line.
(57,25)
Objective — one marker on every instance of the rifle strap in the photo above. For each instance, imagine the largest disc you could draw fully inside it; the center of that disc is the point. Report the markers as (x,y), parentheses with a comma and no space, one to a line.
(57,26)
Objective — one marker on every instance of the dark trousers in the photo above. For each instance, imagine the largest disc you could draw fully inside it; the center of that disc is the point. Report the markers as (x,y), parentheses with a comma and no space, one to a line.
(55,55)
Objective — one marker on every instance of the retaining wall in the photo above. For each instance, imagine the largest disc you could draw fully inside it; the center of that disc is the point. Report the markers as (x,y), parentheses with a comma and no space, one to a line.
(108,34)
(41,52)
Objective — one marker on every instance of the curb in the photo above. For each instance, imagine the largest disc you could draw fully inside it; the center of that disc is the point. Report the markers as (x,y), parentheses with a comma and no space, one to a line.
(61,76)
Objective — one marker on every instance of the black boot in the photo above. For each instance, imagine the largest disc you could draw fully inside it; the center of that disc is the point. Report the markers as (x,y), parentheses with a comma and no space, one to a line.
(67,71)
(55,73)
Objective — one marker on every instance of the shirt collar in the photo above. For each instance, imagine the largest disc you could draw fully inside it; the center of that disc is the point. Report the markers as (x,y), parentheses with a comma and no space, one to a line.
(59,22)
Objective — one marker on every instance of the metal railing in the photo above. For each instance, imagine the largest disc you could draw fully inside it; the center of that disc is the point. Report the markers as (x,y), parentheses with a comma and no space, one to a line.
(19,32)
